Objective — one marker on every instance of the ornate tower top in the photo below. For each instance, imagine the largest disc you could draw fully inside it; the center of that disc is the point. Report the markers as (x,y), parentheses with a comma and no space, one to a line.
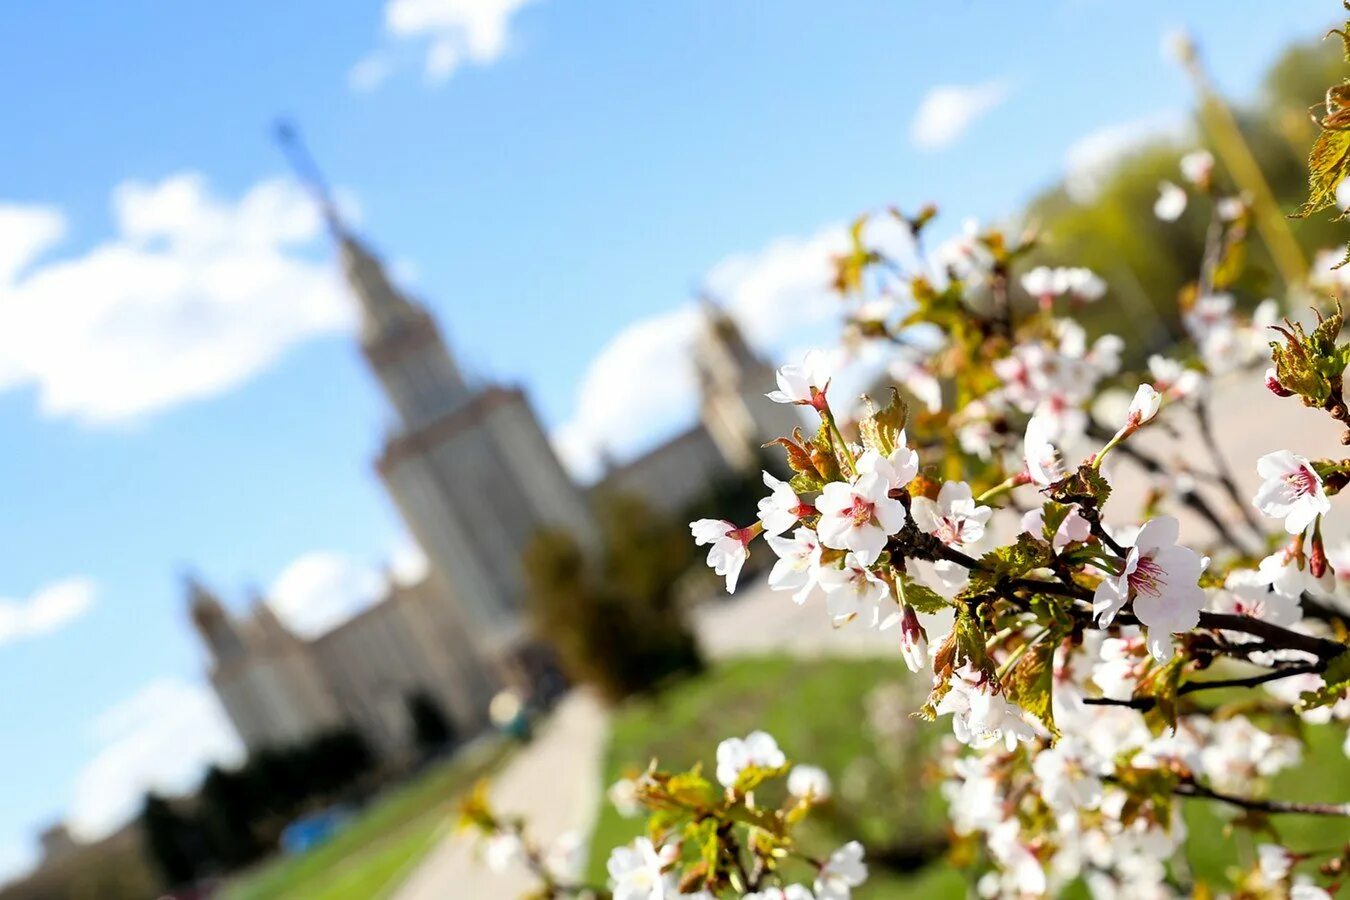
(398,336)
(212,621)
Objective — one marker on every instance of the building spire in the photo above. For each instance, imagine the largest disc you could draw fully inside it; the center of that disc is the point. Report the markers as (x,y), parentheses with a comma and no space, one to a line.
(307,170)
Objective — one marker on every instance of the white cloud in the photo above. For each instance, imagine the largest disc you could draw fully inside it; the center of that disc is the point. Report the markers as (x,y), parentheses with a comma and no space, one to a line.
(641,386)
(947,111)
(321,590)
(1090,158)
(447,34)
(160,739)
(191,297)
(48,609)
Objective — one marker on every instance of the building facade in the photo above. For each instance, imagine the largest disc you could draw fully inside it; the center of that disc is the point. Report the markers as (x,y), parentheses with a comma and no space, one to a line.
(474,476)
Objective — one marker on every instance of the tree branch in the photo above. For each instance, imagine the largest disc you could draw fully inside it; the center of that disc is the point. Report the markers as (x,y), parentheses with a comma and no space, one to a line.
(1191,789)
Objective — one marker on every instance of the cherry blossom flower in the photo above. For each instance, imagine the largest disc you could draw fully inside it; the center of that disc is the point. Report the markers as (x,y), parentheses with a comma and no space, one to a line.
(1274,863)
(1230,209)
(919,380)
(781,509)
(1122,662)
(1045,465)
(1162,578)
(1248,593)
(1171,202)
(1289,573)
(855,592)
(1292,490)
(503,852)
(1143,407)
(623,794)
(898,469)
(1070,775)
(842,872)
(729,546)
(804,385)
(1173,379)
(788,892)
(1072,529)
(1081,284)
(1042,284)
(1304,889)
(981,718)
(735,755)
(1197,167)
(913,641)
(859,515)
(1237,752)
(809,783)
(798,566)
(639,871)
(564,857)
(954,518)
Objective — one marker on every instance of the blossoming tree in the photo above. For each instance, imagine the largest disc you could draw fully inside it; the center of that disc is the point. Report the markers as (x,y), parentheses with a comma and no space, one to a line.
(1094,667)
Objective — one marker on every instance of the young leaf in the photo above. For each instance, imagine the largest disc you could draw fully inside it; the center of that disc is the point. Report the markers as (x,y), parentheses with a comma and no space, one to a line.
(882,430)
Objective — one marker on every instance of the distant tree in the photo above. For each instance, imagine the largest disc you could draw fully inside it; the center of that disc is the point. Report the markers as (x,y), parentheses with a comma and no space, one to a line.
(169,842)
(614,622)
(431,730)
(229,813)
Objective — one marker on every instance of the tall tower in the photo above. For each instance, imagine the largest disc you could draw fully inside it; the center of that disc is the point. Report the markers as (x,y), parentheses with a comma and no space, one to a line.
(469,467)
(733,380)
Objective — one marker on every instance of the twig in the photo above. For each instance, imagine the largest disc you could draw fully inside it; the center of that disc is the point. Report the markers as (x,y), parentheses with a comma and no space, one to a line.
(1191,789)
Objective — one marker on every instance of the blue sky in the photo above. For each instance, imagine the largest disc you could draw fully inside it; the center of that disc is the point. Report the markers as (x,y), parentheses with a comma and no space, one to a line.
(558,189)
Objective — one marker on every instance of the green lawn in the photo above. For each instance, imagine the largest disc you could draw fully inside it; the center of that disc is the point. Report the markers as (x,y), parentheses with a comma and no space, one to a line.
(373,854)
(817,711)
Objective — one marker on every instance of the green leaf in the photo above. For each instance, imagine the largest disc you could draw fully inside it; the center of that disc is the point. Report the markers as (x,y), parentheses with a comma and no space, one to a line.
(1337,681)
(1085,486)
(882,430)
(752,776)
(1031,682)
(1328,165)
(923,598)
(1011,561)
(965,644)
(1161,685)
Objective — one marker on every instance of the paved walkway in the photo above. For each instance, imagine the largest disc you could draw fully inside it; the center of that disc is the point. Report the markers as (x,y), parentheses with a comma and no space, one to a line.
(555,781)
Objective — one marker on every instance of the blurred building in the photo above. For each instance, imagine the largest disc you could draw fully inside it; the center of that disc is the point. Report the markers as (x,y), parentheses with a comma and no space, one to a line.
(472,471)
(735,419)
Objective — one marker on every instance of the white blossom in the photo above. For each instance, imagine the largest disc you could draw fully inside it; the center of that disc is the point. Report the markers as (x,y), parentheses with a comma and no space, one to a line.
(809,783)
(728,547)
(782,508)
(504,851)
(913,641)
(859,515)
(639,871)
(1162,577)
(842,872)
(1173,379)
(1073,528)
(1171,202)
(1045,465)
(954,518)
(1292,490)
(898,469)
(623,794)
(802,384)
(735,755)
(1197,166)
(1143,407)
(798,566)
(853,591)
(981,718)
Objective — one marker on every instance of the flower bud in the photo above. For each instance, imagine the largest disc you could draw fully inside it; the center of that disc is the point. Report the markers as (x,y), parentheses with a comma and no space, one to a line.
(1274,386)
(1317,557)
(913,641)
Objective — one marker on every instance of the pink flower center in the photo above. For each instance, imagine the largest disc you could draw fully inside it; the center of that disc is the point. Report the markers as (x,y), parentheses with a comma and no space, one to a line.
(861,511)
(1303,480)
(1147,578)
(949,530)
